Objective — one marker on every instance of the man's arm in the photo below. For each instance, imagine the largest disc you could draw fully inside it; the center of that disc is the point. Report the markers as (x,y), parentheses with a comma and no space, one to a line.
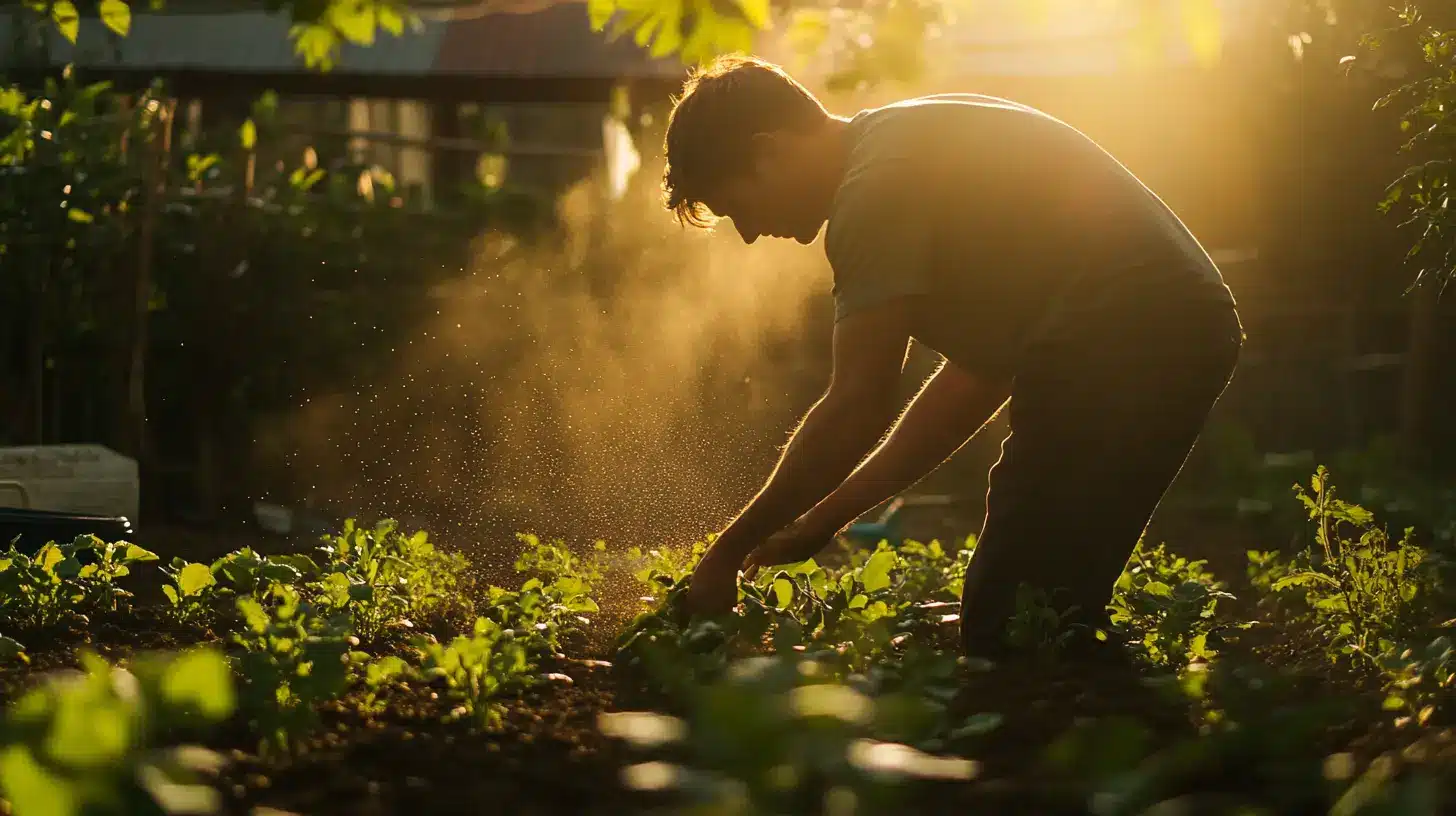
(951,408)
(835,435)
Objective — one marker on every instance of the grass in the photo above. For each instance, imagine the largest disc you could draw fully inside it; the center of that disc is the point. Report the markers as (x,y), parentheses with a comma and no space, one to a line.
(378,674)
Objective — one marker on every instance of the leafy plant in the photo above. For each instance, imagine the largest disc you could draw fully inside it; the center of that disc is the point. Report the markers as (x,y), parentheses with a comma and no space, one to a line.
(191,592)
(1423,191)
(778,735)
(478,668)
(1039,626)
(1361,587)
(294,657)
(98,741)
(1169,605)
(244,573)
(62,584)
(387,580)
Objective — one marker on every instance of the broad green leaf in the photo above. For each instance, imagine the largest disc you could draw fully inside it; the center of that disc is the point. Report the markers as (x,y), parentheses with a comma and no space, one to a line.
(49,556)
(279,572)
(30,789)
(305,566)
(783,590)
(68,568)
(583,604)
(135,552)
(361,592)
(253,614)
(316,44)
(116,15)
(599,12)
(63,12)
(876,573)
(859,601)
(355,21)
(384,669)
(79,215)
(171,593)
(1158,588)
(391,20)
(1304,579)
(875,611)
(92,727)
(754,11)
(194,578)
(248,135)
(201,681)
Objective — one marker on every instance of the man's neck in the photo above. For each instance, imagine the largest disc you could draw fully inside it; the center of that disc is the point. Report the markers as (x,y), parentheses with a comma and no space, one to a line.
(834,147)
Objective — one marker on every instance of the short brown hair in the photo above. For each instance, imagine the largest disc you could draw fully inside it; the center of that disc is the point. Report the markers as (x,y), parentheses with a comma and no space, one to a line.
(713,121)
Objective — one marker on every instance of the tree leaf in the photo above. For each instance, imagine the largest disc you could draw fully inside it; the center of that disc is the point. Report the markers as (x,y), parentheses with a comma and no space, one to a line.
(63,12)
(116,15)
(754,11)
(391,20)
(599,12)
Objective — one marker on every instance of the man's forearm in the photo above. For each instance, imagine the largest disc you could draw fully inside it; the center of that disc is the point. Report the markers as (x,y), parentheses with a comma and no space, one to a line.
(944,415)
(834,437)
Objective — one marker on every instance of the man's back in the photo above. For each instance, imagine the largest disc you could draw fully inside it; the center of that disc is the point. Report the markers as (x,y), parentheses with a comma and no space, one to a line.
(1007,221)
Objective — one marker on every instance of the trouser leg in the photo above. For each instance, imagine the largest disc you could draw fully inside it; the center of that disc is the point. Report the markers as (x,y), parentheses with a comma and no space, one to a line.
(1093,448)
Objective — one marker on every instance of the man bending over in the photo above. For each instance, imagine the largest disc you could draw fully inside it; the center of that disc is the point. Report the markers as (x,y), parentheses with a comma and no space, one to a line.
(1040,268)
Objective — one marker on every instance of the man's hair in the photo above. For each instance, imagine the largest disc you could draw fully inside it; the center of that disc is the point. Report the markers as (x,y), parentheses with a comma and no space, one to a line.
(710,130)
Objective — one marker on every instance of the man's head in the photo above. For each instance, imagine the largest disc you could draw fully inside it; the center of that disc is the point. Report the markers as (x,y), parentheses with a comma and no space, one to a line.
(747,142)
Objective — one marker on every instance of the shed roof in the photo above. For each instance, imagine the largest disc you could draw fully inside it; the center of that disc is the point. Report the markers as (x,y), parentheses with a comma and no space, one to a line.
(554,42)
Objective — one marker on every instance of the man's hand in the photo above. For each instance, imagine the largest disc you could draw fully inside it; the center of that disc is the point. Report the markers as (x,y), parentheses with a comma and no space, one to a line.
(713,589)
(800,541)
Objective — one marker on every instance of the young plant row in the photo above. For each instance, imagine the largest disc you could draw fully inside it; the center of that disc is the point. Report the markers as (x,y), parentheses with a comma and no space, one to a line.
(831,688)
(281,636)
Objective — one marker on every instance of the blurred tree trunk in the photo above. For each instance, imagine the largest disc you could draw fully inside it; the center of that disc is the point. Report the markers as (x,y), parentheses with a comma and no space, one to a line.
(1418,378)
(158,159)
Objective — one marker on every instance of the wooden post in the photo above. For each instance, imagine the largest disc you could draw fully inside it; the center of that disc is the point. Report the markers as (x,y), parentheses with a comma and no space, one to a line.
(1419,374)
(154,174)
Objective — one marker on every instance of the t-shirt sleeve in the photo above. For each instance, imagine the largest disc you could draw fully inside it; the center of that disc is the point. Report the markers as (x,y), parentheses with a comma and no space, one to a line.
(879,237)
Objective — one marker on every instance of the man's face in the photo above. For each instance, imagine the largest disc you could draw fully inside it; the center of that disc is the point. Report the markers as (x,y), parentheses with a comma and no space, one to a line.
(776,196)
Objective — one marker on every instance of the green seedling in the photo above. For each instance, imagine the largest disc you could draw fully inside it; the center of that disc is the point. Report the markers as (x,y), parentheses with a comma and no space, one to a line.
(100,741)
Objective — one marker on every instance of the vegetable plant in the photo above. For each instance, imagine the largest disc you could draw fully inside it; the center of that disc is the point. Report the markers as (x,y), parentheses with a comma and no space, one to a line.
(100,741)
(61,584)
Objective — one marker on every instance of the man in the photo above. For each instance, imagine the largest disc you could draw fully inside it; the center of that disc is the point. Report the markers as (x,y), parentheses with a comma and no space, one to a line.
(1039,267)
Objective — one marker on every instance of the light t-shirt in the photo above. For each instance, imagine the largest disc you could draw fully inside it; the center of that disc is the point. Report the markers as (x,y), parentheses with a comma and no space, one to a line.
(1007,222)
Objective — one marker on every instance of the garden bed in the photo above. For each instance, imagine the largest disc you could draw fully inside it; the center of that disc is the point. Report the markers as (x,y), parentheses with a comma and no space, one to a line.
(380,675)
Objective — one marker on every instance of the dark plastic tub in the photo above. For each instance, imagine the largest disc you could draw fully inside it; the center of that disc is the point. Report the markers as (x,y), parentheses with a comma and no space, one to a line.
(34,528)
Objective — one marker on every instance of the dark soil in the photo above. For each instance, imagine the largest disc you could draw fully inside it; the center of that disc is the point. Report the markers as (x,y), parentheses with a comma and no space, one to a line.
(406,755)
